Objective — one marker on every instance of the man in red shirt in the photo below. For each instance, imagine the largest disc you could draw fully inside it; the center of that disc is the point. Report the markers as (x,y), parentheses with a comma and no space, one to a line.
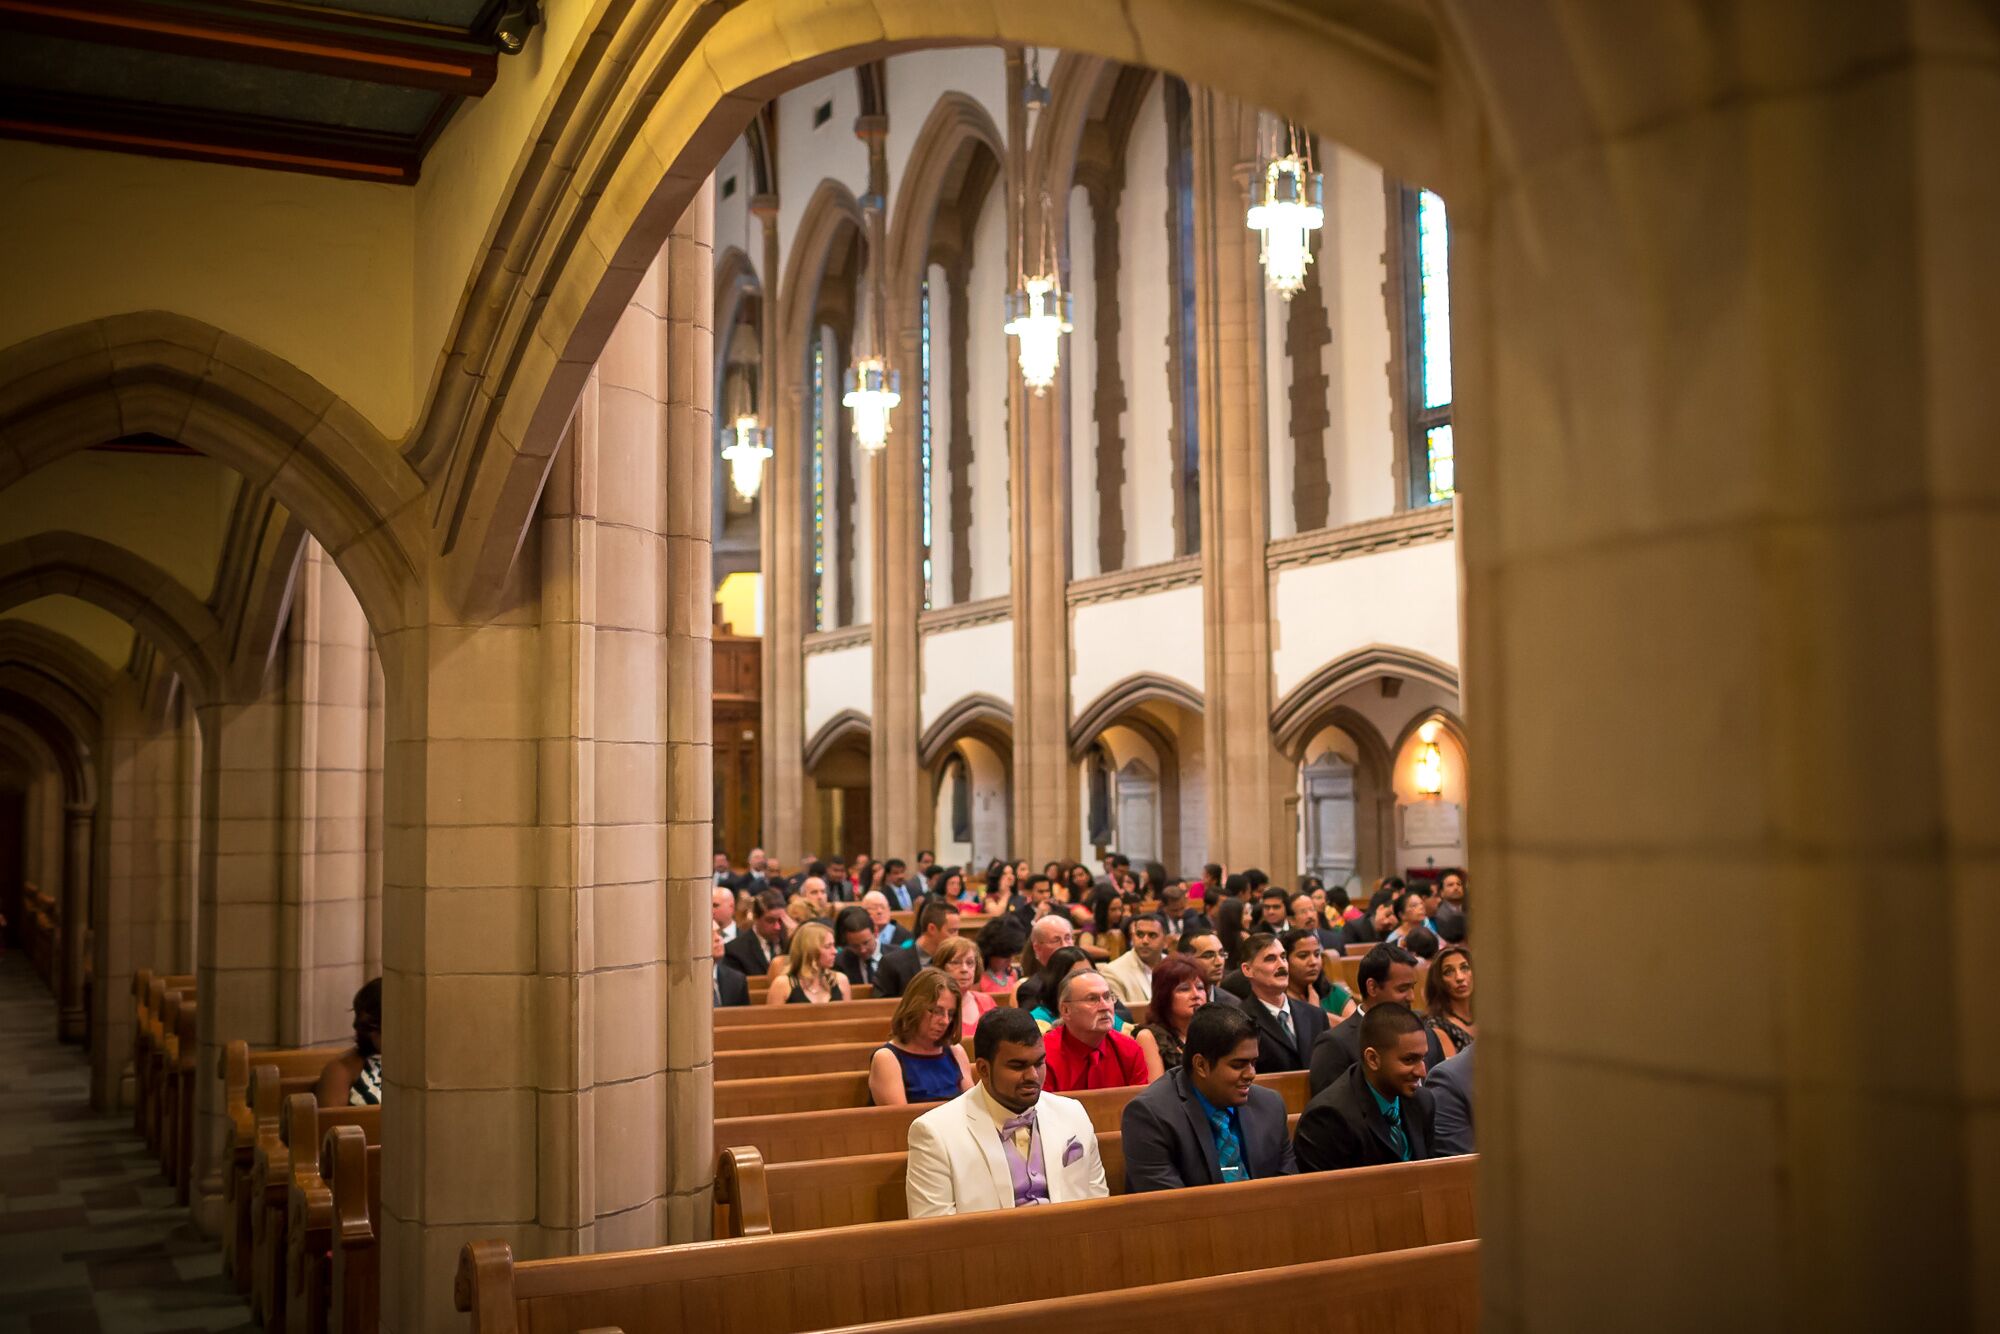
(1083,1052)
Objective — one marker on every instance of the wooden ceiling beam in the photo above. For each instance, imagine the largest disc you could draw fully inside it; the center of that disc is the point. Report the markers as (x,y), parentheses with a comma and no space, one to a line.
(314,41)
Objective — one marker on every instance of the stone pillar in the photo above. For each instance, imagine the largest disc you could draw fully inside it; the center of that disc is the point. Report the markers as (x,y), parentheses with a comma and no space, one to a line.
(237,917)
(1247,783)
(782,520)
(547,1029)
(1045,785)
(894,775)
(124,892)
(72,1023)
(322,922)
(1732,531)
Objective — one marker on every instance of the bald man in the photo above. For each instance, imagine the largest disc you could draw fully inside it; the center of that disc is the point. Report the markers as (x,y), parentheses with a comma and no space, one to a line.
(1048,935)
(722,907)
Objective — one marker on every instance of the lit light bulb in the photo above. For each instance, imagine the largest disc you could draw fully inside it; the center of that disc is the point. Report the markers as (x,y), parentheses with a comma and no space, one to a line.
(745,454)
(1430,761)
(1286,212)
(1039,317)
(872,393)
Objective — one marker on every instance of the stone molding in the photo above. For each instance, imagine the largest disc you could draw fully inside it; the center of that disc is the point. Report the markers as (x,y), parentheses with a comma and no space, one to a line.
(1181,572)
(1405,528)
(1305,703)
(832,641)
(1125,696)
(973,715)
(960,616)
(848,724)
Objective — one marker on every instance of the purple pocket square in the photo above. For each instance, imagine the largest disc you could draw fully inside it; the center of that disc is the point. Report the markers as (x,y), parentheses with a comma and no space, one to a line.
(1072,1153)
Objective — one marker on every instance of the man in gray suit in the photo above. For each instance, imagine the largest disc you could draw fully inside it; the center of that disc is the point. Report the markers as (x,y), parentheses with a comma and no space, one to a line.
(1451,1090)
(1209,1121)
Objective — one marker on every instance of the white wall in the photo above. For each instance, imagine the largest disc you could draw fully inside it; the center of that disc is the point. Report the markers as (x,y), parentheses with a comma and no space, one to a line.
(942,369)
(1407,597)
(806,156)
(1080,354)
(842,679)
(1360,446)
(977,660)
(1109,641)
(1145,303)
(733,224)
(917,80)
(987,350)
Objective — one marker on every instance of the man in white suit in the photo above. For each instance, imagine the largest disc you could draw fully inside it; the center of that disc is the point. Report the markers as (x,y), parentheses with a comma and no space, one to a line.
(1005,1144)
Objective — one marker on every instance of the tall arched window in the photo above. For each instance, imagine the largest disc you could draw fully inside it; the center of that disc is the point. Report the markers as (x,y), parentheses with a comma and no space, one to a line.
(925,458)
(1426,246)
(818,481)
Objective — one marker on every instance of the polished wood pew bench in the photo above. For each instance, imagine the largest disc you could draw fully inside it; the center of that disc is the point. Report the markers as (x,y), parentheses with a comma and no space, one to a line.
(848,1131)
(1418,1290)
(790,1282)
(761,985)
(833,1012)
(309,1206)
(149,1053)
(271,1173)
(353,1168)
(254,1091)
(752,1198)
(178,1094)
(777,1031)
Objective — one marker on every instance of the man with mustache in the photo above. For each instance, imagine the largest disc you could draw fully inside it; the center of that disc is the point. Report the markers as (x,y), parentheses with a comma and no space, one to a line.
(1286,1028)
(1003,1144)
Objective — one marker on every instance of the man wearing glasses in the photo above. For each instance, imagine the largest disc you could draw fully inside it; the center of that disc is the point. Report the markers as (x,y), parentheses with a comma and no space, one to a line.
(1083,1050)
(1205,948)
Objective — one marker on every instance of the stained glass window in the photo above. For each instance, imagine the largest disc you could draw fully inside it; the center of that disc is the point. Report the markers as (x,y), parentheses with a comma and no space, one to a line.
(924,434)
(819,482)
(1427,243)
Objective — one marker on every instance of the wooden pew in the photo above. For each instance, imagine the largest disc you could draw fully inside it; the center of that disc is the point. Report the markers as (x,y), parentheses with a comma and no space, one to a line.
(775,1032)
(844,1132)
(270,1185)
(753,1198)
(833,1012)
(789,1282)
(253,1097)
(179,1095)
(149,1058)
(353,1167)
(1417,1290)
(309,1216)
(142,984)
(760,985)
(735,1067)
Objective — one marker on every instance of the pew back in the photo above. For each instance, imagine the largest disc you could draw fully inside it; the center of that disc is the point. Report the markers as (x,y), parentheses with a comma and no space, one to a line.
(792,1282)
(849,1130)
(754,1016)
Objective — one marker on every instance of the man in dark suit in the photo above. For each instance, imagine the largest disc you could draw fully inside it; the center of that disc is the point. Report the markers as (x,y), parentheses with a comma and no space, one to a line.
(1286,1027)
(1378,1111)
(728,987)
(888,933)
(856,935)
(937,922)
(896,888)
(1209,1121)
(769,936)
(1386,973)
(1450,1087)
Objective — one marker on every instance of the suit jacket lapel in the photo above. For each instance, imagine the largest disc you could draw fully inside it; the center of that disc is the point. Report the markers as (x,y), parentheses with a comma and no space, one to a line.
(1198,1124)
(987,1141)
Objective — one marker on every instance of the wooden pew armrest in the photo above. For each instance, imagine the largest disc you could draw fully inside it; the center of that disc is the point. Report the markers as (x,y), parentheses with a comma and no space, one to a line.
(484,1287)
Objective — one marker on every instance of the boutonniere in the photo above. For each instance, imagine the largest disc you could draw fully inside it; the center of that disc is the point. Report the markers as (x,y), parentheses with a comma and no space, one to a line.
(1073,1152)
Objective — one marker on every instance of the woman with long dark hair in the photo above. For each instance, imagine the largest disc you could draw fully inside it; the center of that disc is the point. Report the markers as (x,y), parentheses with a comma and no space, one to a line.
(1231,917)
(1448,999)
(1178,991)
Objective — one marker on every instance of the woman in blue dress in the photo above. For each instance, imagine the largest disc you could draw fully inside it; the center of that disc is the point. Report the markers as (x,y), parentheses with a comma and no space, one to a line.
(922,1061)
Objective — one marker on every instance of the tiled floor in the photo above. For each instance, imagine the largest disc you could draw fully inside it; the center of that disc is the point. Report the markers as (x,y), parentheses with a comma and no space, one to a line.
(91,1241)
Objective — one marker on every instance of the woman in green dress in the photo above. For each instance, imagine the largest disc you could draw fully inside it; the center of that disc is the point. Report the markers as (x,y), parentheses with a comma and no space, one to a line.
(1308,981)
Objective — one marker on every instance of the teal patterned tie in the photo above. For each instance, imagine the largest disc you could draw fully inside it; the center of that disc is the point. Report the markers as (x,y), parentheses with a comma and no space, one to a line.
(1228,1145)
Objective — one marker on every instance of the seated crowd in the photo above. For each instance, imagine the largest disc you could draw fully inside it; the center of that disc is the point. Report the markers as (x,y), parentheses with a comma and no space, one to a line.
(1026,988)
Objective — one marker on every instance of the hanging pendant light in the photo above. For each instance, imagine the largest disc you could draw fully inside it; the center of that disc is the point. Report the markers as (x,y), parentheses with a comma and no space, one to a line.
(1039,315)
(1286,208)
(873,391)
(744,450)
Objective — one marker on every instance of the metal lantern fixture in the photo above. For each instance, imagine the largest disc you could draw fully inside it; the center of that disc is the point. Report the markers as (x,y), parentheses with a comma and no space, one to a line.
(1039,315)
(873,391)
(1287,205)
(744,450)
(1430,760)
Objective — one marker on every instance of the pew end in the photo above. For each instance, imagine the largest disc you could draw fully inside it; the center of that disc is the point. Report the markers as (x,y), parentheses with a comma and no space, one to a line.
(741,1192)
(484,1287)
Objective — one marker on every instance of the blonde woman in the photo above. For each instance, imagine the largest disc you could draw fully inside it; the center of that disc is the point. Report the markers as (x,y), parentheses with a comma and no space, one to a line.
(809,977)
(958,959)
(922,1060)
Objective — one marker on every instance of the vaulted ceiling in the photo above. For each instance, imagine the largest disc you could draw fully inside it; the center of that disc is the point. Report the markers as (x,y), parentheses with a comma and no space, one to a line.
(358,91)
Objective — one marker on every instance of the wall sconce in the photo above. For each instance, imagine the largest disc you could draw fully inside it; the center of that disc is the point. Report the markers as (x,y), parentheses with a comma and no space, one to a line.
(1430,760)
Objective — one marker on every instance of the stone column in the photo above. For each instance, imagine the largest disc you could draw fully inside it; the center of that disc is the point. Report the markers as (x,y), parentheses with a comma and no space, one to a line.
(1045,785)
(547,1044)
(1246,777)
(1732,530)
(125,891)
(237,917)
(72,1023)
(898,599)
(782,522)
(322,925)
